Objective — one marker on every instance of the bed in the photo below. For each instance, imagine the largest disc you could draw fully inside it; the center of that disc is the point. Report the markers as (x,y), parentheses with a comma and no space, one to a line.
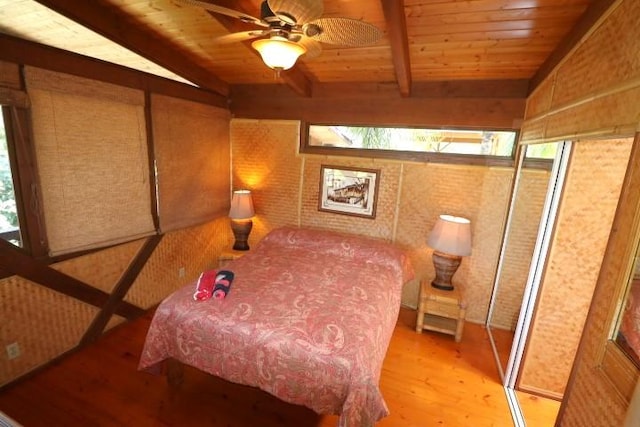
(629,333)
(308,319)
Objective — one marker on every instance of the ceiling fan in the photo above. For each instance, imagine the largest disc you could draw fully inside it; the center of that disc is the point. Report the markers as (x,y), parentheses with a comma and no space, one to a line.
(291,28)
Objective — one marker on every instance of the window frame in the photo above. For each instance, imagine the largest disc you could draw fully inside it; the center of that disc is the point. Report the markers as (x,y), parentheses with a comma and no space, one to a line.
(418,156)
(25,182)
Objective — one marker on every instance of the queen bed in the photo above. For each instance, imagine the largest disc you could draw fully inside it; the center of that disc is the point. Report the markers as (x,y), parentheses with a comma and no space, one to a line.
(308,319)
(629,333)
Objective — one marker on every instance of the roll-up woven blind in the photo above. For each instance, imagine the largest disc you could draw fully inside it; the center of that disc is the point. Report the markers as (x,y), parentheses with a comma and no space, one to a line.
(192,151)
(92,158)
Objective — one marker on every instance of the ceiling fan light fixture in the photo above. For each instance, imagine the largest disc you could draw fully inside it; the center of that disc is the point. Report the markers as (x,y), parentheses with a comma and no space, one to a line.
(279,54)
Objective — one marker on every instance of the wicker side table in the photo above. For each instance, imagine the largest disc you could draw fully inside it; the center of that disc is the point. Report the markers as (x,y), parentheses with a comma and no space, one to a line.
(440,311)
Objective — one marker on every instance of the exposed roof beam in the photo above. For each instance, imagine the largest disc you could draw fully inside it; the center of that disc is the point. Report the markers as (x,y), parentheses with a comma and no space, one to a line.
(588,19)
(19,51)
(397,32)
(295,77)
(113,24)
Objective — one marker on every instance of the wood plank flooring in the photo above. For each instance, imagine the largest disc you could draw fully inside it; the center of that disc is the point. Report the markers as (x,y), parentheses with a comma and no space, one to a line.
(427,380)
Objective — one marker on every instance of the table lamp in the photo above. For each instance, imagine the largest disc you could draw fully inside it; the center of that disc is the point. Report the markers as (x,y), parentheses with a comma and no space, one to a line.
(241,213)
(450,240)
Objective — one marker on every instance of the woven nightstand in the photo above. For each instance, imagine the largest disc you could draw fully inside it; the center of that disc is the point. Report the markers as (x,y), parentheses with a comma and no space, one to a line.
(440,311)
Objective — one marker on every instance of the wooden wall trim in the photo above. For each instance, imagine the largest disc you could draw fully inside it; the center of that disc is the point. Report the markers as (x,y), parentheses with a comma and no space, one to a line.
(18,51)
(364,104)
(96,328)
(13,97)
(23,167)
(14,261)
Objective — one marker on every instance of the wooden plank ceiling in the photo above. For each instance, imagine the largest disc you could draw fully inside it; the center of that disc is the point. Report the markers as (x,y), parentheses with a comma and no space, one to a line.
(423,41)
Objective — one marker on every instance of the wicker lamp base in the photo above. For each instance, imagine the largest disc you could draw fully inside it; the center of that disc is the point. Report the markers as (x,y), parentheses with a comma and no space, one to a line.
(241,229)
(445,266)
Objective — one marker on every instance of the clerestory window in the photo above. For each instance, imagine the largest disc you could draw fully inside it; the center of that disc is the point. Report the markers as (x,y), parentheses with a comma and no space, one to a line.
(474,146)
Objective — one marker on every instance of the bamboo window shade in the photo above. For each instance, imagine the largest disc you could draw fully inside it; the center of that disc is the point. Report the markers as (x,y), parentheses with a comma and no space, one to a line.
(192,152)
(91,151)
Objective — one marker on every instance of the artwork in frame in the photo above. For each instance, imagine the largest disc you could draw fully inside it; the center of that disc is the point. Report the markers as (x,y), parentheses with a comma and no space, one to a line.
(349,190)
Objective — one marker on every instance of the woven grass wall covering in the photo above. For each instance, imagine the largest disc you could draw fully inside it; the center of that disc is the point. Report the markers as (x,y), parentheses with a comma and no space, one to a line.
(522,238)
(46,323)
(593,92)
(285,186)
(583,225)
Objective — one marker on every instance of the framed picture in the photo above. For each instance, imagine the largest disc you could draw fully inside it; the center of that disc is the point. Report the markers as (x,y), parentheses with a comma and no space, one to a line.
(348,190)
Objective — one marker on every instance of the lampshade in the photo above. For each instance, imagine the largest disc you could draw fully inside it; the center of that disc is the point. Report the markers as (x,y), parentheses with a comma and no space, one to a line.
(241,205)
(451,235)
(278,52)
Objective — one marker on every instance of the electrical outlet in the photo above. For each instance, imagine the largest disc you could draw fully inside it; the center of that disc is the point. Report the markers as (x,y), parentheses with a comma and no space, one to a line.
(13,351)
(181,272)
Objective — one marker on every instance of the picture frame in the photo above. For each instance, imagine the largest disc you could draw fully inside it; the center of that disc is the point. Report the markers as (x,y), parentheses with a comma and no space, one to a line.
(349,190)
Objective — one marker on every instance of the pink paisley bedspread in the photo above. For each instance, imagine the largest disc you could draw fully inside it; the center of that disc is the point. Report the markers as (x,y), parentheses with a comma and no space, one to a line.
(308,319)
(630,326)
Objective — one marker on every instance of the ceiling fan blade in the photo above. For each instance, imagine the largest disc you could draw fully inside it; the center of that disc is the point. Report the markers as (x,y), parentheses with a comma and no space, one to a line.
(225,11)
(314,48)
(343,31)
(240,36)
(302,11)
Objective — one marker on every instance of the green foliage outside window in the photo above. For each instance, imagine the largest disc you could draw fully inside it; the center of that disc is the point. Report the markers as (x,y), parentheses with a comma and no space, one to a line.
(445,141)
(8,208)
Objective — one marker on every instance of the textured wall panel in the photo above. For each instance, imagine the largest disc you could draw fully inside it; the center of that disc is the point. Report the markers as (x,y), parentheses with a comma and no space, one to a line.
(583,225)
(44,323)
(101,269)
(410,197)
(608,57)
(540,100)
(418,216)
(517,258)
(265,161)
(593,90)
(195,249)
(477,193)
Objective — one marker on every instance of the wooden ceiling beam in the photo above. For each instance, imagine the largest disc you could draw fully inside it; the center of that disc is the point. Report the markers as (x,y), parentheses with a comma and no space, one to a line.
(474,104)
(397,33)
(586,22)
(19,51)
(113,24)
(295,78)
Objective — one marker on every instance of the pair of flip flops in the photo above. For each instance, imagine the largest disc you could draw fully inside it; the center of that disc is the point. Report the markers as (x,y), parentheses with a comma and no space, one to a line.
(213,283)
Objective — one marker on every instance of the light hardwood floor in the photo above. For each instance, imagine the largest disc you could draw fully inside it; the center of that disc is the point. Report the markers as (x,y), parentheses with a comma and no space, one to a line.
(427,380)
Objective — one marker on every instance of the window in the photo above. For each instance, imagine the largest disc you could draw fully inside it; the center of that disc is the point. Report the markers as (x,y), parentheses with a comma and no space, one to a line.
(20,221)
(9,223)
(420,144)
(542,151)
